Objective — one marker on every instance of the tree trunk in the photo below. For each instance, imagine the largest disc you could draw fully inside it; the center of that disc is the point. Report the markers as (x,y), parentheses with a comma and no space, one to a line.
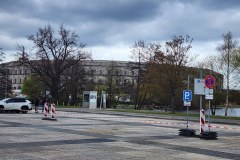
(142,101)
(173,105)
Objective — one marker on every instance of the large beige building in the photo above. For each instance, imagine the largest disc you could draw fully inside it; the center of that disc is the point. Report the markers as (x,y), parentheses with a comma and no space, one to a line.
(96,69)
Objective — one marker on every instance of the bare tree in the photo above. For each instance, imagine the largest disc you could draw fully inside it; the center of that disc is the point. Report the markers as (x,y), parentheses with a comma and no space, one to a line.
(75,79)
(1,55)
(111,82)
(5,85)
(210,62)
(114,82)
(171,65)
(52,56)
(227,55)
(140,55)
(212,66)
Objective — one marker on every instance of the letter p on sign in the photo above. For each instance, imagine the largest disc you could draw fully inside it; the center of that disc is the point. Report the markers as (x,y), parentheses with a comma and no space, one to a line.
(187,95)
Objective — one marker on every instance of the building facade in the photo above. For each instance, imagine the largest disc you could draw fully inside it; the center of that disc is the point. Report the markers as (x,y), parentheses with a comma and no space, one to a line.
(97,71)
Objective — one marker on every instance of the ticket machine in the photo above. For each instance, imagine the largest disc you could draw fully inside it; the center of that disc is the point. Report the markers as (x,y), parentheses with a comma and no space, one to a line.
(89,99)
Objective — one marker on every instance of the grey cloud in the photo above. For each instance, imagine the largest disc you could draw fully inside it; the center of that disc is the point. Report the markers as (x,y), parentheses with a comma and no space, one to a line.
(121,10)
(111,22)
(218,4)
(102,13)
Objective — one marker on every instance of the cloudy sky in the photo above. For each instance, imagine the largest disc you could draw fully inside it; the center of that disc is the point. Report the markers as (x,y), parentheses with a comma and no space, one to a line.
(109,27)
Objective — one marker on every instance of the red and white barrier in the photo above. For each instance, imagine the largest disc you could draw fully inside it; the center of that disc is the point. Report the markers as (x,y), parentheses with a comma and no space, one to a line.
(202,121)
(45,109)
(53,110)
(49,109)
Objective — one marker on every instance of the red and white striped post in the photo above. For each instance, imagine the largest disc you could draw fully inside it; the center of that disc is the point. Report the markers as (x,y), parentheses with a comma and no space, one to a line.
(53,110)
(45,109)
(202,120)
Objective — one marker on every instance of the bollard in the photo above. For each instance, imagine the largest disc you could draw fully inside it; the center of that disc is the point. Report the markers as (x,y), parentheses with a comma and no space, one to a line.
(53,110)
(202,116)
(206,135)
(45,109)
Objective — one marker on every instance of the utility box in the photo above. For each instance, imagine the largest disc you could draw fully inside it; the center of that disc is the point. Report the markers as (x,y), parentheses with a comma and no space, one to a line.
(89,99)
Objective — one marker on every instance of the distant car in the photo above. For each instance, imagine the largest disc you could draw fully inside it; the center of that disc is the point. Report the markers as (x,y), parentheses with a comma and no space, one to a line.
(15,104)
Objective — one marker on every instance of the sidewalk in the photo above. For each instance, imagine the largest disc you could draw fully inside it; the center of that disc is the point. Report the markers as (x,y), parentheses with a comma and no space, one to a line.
(157,116)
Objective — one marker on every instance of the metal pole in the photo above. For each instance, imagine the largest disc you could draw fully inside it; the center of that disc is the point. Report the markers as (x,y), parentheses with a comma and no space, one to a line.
(101,100)
(187,117)
(200,103)
(209,115)
(187,106)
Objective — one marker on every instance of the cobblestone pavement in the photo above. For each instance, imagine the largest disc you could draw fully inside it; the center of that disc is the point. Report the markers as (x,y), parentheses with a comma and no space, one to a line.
(82,135)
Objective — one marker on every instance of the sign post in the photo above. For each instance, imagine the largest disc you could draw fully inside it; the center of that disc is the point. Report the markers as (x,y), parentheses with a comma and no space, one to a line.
(209,83)
(187,98)
(199,89)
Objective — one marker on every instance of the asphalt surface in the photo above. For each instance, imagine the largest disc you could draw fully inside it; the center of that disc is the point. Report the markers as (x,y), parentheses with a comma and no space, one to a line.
(157,116)
(99,134)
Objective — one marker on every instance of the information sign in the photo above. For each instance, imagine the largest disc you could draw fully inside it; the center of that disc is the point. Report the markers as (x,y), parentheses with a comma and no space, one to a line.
(208,94)
(199,88)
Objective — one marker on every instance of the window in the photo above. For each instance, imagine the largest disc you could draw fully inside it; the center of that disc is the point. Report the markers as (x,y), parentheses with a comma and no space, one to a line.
(100,81)
(10,101)
(125,82)
(125,73)
(20,80)
(133,73)
(100,72)
(86,98)
(92,71)
(19,100)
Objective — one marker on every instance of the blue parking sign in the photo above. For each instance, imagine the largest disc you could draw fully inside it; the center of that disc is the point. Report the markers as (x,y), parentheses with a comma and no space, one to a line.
(187,95)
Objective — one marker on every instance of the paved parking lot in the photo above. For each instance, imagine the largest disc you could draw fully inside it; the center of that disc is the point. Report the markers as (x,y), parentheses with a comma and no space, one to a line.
(91,135)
